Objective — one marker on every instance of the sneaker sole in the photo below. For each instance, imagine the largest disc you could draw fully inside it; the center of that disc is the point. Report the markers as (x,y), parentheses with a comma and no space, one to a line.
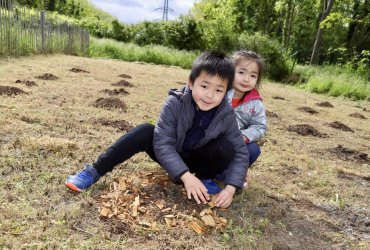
(72,187)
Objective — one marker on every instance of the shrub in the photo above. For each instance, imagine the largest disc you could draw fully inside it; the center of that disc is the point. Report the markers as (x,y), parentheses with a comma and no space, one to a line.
(272,52)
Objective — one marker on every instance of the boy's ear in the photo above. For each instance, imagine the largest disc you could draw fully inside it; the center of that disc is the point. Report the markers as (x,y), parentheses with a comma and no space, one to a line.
(190,84)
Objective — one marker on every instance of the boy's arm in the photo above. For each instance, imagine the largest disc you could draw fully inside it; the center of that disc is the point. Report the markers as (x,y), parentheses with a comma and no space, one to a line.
(238,166)
(257,127)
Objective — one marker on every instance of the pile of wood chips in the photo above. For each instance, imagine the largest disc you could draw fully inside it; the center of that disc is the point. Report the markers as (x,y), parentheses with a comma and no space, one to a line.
(151,201)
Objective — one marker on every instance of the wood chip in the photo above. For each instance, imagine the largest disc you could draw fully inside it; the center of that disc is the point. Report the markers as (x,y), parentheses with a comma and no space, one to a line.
(196,227)
(104,212)
(135,206)
(208,220)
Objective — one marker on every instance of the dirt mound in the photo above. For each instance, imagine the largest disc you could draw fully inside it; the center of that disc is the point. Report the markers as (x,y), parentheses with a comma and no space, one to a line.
(110,103)
(47,76)
(151,201)
(325,104)
(308,110)
(123,83)
(8,90)
(78,70)
(28,83)
(340,126)
(350,154)
(358,115)
(120,124)
(305,129)
(278,98)
(125,76)
(120,91)
(271,114)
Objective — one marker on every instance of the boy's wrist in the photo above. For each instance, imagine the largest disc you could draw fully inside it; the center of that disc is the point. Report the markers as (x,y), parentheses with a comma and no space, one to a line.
(231,189)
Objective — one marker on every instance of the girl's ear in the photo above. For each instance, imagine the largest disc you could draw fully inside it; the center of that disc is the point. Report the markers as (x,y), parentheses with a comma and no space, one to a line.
(190,84)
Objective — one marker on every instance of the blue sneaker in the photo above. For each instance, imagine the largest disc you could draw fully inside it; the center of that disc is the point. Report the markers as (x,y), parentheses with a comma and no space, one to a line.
(83,179)
(211,186)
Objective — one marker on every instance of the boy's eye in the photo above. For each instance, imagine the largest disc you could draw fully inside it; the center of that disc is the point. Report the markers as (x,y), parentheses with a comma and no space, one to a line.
(203,86)
(220,91)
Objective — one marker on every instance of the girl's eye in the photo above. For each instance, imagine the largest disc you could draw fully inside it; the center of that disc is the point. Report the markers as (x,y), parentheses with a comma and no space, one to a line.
(254,76)
(220,91)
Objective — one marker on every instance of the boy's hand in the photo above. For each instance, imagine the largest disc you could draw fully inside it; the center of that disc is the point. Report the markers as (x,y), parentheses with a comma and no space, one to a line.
(225,197)
(194,187)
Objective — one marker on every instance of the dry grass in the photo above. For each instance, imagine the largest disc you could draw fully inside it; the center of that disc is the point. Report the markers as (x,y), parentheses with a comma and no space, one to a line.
(304,194)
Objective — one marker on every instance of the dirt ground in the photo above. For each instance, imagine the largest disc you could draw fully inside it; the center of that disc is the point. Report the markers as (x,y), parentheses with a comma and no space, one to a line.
(310,188)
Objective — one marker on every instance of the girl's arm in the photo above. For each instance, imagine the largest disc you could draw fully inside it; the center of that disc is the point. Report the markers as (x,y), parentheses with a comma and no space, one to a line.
(257,125)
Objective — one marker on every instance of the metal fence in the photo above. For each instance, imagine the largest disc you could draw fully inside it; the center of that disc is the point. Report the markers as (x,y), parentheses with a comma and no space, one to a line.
(25,31)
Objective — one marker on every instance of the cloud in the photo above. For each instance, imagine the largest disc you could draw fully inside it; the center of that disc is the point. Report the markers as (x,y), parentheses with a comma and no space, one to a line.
(130,11)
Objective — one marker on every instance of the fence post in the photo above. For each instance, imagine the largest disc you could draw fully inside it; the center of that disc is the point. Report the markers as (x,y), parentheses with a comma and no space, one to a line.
(43,31)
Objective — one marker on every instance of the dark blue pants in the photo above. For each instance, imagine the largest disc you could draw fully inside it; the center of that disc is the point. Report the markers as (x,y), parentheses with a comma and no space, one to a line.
(205,162)
(254,152)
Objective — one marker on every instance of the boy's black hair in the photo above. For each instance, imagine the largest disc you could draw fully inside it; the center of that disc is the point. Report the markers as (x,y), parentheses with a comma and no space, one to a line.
(214,63)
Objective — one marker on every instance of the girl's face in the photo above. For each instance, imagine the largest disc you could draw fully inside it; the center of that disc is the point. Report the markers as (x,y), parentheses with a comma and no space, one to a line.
(246,76)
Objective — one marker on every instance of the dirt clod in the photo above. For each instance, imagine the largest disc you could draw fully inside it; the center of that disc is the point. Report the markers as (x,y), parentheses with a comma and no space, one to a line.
(125,76)
(8,90)
(120,124)
(120,91)
(28,83)
(110,103)
(271,114)
(47,76)
(123,83)
(78,70)
(340,126)
(308,110)
(325,104)
(278,98)
(358,115)
(348,154)
(305,129)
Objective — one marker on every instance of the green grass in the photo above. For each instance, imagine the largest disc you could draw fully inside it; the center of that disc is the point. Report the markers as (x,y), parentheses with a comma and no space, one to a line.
(334,81)
(108,48)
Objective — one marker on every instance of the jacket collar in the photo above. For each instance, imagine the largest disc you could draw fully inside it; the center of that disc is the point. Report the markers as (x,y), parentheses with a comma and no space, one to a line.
(251,95)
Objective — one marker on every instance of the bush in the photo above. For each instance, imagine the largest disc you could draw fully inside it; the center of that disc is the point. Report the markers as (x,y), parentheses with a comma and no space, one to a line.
(270,50)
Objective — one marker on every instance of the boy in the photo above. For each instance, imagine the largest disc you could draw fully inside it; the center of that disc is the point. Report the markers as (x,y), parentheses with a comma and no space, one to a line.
(196,132)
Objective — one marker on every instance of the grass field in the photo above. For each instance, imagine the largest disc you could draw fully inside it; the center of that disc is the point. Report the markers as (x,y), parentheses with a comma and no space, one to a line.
(308,190)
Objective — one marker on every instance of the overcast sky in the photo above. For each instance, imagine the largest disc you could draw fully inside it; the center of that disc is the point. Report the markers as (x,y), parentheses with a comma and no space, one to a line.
(133,11)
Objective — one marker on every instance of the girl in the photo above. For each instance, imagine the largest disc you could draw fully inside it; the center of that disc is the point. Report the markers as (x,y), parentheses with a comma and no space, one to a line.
(247,102)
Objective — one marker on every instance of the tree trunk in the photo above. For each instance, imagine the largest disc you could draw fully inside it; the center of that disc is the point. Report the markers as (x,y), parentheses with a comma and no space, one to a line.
(328,4)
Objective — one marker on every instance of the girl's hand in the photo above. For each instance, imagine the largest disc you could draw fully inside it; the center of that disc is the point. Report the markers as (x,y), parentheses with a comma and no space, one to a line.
(225,197)
(194,187)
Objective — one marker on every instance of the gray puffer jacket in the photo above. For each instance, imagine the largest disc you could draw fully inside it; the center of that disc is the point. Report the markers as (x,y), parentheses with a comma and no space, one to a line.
(176,119)
(250,115)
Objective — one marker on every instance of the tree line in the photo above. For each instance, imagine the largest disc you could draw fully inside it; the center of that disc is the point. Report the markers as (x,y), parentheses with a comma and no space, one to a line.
(308,31)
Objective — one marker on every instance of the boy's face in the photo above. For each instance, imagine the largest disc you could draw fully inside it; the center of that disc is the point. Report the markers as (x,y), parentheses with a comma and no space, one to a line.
(208,91)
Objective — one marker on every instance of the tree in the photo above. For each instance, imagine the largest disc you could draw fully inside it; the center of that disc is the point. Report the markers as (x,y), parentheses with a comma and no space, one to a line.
(327,6)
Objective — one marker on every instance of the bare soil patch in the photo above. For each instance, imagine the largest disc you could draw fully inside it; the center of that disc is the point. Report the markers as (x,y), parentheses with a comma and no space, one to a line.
(125,76)
(47,76)
(271,114)
(120,91)
(278,98)
(340,126)
(181,83)
(9,90)
(361,180)
(123,83)
(78,70)
(358,115)
(309,110)
(28,83)
(293,78)
(348,154)
(120,124)
(110,103)
(325,104)
(305,129)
